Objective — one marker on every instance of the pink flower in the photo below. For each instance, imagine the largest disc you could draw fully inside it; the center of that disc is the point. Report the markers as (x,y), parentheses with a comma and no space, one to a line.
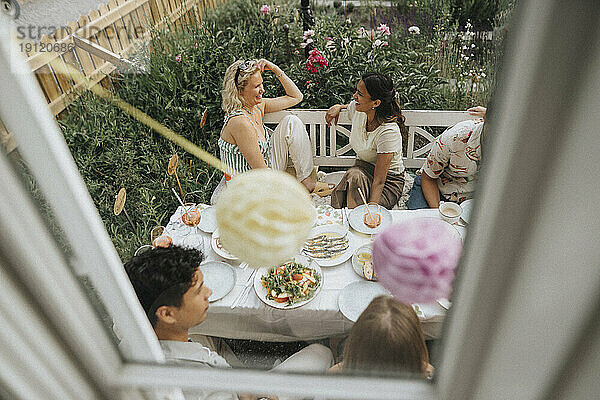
(384,29)
(346,40)
(315,59)
(265,9)
(178,58)
(309,33)
(385,43)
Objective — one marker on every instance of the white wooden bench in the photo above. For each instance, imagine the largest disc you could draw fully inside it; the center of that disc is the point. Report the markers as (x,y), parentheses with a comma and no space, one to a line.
(330,145)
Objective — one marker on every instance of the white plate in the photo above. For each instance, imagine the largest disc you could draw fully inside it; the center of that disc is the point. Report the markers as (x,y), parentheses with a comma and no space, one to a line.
(339,230)
(355,297)
(357,265)
(218,248)
(208,220)
(356,215)
(218,277)
(261,291)
(467,207)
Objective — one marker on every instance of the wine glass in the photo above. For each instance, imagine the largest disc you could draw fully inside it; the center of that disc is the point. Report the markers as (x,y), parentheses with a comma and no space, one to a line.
(191,215)
(372,216)
(159,237)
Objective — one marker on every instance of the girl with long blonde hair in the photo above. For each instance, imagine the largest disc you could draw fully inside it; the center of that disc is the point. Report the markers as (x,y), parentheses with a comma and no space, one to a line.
(246,143)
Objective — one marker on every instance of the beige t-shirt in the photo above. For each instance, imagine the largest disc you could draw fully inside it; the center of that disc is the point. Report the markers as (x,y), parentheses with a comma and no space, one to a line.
(386,138)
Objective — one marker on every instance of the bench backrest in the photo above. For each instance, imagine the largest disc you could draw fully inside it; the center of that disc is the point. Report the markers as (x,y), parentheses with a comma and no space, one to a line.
(331,147)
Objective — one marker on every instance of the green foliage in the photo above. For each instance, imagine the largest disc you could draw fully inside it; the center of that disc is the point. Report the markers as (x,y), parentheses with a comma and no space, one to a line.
(480,13)
(185,68)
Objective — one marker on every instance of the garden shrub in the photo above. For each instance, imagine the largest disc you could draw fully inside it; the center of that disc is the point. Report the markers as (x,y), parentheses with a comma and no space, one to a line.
(184,78)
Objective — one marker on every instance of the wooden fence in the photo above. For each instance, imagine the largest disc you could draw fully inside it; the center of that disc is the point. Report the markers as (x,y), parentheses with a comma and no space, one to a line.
(119,26)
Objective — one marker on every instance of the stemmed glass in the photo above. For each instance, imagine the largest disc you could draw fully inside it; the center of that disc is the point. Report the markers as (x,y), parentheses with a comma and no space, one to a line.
(191,215)
(372,217)
(159,237)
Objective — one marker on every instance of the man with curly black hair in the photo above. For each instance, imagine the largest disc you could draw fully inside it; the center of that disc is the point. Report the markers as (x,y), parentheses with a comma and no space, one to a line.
(170,286)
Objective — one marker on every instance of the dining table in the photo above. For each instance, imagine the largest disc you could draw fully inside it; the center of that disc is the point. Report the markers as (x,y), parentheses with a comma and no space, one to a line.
(251,318)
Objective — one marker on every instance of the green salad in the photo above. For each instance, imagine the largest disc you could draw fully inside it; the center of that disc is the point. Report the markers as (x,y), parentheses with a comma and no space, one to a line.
(291,283)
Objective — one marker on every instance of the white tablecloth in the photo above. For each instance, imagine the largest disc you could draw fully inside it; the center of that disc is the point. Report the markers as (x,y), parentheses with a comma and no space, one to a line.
(318,319)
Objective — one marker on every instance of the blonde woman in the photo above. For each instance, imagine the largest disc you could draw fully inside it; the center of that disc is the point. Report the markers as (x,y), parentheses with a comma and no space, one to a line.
(387,339)
(246,143)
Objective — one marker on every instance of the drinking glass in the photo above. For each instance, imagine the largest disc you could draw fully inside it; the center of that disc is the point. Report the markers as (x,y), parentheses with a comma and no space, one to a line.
(191,215)
(159,237)
(374,219)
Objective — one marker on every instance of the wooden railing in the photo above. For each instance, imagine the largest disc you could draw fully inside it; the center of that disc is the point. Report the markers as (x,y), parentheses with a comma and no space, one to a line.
(119,26)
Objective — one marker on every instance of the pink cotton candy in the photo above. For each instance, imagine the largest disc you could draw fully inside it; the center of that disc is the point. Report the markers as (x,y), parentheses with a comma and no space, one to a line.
(416,260)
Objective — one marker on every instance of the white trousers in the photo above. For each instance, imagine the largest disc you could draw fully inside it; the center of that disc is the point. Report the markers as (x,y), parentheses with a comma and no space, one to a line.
(290,148)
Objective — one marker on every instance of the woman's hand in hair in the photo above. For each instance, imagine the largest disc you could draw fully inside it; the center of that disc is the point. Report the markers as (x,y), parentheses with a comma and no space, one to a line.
(266,65)
(477,111)
(333,114)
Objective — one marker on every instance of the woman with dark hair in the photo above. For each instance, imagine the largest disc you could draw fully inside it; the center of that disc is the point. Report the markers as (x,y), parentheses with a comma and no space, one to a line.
(386,339)
(376,137)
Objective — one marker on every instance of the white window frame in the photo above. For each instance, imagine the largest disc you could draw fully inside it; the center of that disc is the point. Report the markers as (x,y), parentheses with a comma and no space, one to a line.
(512,332)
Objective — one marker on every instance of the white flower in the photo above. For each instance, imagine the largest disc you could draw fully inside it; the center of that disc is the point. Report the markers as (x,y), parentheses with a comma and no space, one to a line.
(330,45)
(308,41)
(414,30)
(483,74)
(472,45)
(348,21)
(308,33)
(377,43)
(346,40)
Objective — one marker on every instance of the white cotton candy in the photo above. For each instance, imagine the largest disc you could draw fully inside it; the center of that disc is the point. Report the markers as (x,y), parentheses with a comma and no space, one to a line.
(264,217)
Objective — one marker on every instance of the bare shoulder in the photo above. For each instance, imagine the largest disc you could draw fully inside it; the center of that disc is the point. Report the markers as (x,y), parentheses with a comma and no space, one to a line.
(236,126)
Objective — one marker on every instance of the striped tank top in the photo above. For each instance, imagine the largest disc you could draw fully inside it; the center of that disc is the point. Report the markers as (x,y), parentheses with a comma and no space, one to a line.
(231,154)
